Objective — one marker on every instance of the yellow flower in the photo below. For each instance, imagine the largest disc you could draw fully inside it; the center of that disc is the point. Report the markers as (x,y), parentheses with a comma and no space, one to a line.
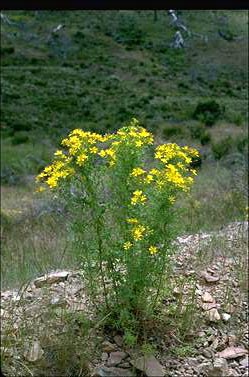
(138,198)
(149,178)
(132,221)
(52,181)
(138,232)
(81,159)
(127,245)
(40,189)
(93,150)
(153,250)
(172,199)
(138,143)
(137,172)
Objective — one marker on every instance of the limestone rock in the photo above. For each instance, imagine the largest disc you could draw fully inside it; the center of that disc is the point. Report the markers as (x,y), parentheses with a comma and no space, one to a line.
(209,278)
(149,365)
(213,315)
(225,317)
(108,346)
(52,278)
(219,368)
(206,297)
(118,340)
(34,353)
(104,356)
(209,305)
(116,358)
(244,362)
(232,352)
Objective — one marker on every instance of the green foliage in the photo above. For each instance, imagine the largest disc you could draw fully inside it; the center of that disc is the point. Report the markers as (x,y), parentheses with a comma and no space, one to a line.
(199,132)
(20,138)
(208,112)
(222,147)
(184,350)
(5,50)
(172,131)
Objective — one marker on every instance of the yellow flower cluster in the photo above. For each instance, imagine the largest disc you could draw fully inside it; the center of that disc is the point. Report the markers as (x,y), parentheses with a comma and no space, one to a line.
(57,170)
(175,172)
(138,197)
(134,134)
(167,152)
(82,146)
(138,231)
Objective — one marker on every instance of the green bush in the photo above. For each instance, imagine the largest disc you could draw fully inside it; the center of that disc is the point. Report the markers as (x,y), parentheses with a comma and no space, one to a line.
(242,144)
(222,147)
(7,50)
(208,112)
(172,131)
(205,138)
(20,138)
(199,132)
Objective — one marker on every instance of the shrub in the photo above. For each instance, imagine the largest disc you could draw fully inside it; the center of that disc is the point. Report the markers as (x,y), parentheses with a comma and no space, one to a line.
(242,144)
(222,148)
(199,132)
(123,213)
(172,131)
(208,112)
(20,138)
(205,138)
(7,50)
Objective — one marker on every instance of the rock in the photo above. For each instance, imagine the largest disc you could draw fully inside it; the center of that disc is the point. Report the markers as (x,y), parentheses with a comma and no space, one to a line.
(116,358)
(230,308)
(176,291)
(215,344)
(209,278)
(225,317)
(149,365)
(118,340)
(209,305)
(244,362)
(52,278)
(207,353)
(104,356)
(201,334)
(204,368)
(58,302)
(210,270)
(232,352)
(213,315)
(34,353)
(206,297)
(125,365)
(219,368)
(232,373)
(113,372)
(108,346)
(232,340)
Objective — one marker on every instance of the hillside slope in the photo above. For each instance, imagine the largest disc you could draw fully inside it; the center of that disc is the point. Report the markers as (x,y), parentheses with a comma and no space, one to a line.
(102,68)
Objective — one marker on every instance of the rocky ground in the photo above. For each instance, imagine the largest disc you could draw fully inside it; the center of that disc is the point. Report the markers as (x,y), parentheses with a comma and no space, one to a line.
(209,284)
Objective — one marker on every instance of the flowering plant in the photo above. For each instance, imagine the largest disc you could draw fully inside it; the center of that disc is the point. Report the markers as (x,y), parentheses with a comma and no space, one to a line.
(123,210)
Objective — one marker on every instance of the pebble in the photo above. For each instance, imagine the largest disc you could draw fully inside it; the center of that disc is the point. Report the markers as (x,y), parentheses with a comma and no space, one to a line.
(225,317)
(213,315)
(108,346)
